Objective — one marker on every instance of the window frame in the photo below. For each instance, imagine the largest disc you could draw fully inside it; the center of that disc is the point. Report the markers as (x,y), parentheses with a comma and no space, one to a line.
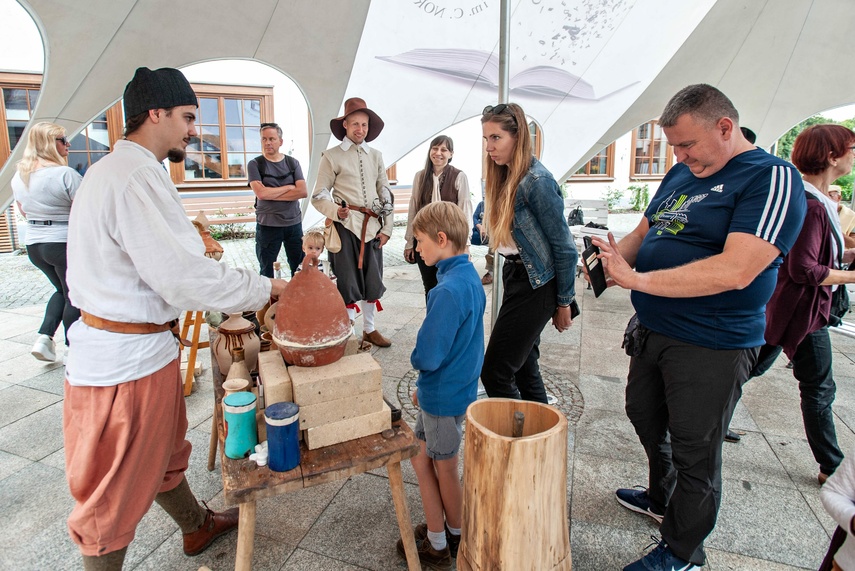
(221,92)
(608,176)
(669,153)
(12,80)
(115,129)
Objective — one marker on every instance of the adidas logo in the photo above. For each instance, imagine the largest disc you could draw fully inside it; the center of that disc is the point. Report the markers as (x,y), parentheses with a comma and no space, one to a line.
(717,188)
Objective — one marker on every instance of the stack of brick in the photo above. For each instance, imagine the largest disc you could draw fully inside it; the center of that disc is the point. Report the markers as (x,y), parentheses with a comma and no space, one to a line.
(338,402)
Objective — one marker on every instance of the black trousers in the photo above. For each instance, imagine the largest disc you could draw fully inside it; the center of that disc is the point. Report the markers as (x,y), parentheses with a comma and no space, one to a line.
(812,369)
(51,259)
(680,399)
(270,239)
(511,368)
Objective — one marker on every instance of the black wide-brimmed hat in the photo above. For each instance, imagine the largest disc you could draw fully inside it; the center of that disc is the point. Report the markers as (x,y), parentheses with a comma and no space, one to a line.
(352,105)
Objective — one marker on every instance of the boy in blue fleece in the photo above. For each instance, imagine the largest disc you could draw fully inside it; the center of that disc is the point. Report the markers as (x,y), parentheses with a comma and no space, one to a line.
(448,355)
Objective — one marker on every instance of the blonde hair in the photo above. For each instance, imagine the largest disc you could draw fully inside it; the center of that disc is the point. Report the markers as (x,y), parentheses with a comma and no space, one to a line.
(314,237)
(502,180)
(41,148)
(445,217)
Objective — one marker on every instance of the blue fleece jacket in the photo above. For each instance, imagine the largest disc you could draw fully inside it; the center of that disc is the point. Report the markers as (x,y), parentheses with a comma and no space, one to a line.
(450,346)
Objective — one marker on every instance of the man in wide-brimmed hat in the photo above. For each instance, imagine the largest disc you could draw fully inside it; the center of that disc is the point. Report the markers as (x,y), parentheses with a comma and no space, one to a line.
(352,190)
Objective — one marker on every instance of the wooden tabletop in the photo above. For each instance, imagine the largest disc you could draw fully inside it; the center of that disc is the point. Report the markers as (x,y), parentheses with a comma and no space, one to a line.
(244,480)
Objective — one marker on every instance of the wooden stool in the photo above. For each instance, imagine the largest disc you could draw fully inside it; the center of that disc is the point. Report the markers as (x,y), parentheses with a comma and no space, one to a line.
(196,319)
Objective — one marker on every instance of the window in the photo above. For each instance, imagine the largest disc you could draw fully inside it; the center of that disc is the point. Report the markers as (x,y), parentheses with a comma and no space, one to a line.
(20,92)
(96,139)
(228,138)
(600,167)
(536,139)
(652,156)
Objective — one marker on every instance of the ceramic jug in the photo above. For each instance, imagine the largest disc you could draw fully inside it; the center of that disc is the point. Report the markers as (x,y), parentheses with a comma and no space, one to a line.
(232,333)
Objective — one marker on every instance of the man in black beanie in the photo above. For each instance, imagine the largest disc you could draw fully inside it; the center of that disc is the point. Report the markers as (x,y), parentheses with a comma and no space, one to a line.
(134,263)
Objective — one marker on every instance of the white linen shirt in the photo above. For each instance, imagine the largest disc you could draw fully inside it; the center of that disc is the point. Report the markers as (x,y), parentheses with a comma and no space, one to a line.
(134,257)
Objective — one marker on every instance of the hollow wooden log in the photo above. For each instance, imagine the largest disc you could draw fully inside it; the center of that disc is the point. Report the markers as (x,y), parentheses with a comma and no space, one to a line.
(514,489)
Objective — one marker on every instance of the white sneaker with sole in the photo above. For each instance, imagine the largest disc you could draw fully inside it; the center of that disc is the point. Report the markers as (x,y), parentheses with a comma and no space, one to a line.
(44,349)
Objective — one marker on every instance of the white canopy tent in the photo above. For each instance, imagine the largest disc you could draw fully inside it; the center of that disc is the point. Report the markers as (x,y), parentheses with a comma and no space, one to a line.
(586,71)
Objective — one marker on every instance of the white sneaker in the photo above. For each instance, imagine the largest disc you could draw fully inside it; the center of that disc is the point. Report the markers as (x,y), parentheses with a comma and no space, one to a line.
(44,349)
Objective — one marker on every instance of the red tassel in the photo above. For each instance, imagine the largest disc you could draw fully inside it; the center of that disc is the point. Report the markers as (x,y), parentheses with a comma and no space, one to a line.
(353,306)
(377,303)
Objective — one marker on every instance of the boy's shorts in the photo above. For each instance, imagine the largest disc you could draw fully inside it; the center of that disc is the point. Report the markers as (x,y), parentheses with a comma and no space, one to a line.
(442,434)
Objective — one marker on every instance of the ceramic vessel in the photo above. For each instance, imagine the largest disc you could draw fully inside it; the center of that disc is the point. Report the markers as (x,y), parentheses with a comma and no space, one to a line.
(232,333)
(213,249)
(314,329)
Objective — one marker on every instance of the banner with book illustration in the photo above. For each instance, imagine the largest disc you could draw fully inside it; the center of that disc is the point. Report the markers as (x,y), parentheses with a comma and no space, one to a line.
(575,65)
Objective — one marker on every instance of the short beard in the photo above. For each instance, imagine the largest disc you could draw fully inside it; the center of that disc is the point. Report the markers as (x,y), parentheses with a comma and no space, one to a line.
(176,155)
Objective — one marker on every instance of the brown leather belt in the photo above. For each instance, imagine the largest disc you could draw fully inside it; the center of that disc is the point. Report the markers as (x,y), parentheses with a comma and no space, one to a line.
(135,328)
(365,219)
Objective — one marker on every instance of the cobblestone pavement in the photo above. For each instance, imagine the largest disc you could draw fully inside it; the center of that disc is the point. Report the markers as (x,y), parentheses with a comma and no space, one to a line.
(22,284)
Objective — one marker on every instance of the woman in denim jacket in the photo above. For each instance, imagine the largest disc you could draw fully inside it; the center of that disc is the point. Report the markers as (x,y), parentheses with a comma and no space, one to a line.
(525,222)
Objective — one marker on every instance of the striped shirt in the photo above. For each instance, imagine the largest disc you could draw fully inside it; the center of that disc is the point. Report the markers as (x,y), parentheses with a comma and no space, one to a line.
(690,219)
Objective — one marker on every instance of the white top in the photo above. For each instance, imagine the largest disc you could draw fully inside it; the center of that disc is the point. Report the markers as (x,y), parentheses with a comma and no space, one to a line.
(134,257)
(464,201)
(838,499)
(48,197)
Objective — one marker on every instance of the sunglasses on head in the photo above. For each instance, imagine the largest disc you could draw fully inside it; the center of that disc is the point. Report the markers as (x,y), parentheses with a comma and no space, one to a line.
(498,110)
(63,140)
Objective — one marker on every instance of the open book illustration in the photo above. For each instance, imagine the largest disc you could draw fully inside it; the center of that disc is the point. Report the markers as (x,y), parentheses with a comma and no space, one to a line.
(483,67)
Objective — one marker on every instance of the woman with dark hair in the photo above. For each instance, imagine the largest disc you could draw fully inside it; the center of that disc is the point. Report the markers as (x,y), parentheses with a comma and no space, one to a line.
(44,187)
(437,181)
(798,314)
(524,219)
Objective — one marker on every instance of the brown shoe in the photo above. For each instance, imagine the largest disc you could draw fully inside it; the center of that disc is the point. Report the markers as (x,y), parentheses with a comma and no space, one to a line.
(428,556)
(487,279)
(375,338)
(420,532)
(216,524)
(822,478)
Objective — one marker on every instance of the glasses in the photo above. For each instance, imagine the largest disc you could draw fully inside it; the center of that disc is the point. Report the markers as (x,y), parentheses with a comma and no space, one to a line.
(63,140)
(499,110)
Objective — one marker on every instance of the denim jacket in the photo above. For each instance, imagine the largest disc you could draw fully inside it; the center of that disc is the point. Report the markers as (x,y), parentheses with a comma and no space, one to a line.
(542,234)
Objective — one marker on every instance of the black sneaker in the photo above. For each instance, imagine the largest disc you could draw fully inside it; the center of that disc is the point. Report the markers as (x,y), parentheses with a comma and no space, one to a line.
(428,556)
(661,559)
(637,500)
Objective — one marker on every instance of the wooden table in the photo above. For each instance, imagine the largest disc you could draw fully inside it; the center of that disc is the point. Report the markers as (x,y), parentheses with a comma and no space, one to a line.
(244,482)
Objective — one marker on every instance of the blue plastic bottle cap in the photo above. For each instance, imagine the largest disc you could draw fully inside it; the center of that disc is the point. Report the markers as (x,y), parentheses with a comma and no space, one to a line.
(281,410)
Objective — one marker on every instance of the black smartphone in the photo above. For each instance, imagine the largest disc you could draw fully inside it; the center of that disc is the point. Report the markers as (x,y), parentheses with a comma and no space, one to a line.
(343,203)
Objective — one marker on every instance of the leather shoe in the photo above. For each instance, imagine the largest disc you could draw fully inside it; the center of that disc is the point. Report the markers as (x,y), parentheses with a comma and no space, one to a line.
(731,436)
(487,279)
(822,478)
(375,338)
(216,524)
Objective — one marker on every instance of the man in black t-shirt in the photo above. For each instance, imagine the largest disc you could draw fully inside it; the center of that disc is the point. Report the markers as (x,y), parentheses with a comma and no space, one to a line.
(278,183)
